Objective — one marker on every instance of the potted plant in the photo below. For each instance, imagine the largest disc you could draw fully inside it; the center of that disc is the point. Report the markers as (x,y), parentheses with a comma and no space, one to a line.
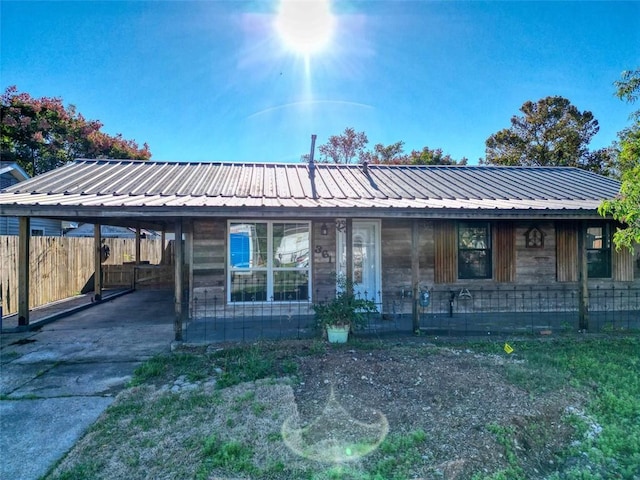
(344,313)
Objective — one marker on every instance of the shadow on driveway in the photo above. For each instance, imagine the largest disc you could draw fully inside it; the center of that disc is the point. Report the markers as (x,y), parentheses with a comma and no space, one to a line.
(56,381)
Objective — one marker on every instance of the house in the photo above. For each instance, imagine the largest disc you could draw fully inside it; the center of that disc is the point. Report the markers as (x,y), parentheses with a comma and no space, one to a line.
(11,174)
(265,236)
(108,231)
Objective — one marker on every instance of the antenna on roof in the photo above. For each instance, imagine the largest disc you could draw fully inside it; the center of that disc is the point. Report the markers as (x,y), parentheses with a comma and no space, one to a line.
(313,149)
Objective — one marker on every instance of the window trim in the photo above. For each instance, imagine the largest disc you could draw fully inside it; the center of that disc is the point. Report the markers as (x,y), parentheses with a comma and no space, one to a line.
(488,249)
(270,269)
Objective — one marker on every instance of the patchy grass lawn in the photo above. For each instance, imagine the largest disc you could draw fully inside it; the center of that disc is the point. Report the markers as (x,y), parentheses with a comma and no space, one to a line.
(405,408)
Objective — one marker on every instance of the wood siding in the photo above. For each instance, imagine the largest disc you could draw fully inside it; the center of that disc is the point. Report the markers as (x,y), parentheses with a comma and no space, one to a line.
(622,265)
(535,266)
(504,252)
(208,253)
(566,251)
(323,268)
(397,251)
(446,261)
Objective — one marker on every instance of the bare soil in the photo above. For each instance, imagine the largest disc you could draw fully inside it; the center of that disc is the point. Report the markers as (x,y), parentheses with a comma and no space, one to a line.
(454,395)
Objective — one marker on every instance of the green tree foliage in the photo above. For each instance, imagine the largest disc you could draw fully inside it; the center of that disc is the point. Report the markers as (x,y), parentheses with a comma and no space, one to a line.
(350,146)
(344,148)
(628,88)
(388,154)
(427,156)
(40,134)
(551,132)
(626,207)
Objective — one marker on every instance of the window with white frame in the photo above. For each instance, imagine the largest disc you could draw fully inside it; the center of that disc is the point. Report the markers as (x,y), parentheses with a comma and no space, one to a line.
(268,261)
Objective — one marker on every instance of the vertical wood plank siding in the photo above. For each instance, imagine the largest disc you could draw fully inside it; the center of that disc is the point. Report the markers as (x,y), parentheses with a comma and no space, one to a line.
(622,265)
(567,251)
(504,252)
(445,252)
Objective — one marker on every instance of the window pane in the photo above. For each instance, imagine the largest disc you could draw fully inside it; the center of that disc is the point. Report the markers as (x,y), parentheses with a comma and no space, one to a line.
(290,245)
(598,264)
(248,245)
(291,285)
(471,236)
(598,244)
(249,286)
(595,238)
(474,250)
(474,264)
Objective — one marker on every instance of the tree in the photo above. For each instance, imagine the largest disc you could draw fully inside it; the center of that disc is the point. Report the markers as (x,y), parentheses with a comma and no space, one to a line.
(40,134)
(551,132)
(344,148)
(351,145)
(389,154)
(626,207)
(426,156)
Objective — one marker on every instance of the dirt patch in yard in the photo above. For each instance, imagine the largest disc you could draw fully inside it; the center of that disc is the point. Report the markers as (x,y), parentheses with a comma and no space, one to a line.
(462,400)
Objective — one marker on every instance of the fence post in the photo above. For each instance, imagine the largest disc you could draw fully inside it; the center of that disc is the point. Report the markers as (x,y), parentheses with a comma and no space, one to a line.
(583,303)
(415,273)
(97,252)
(178,275)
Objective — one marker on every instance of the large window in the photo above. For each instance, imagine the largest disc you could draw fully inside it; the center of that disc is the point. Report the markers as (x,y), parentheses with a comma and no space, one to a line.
(474,250)
(268,261)
(598,245)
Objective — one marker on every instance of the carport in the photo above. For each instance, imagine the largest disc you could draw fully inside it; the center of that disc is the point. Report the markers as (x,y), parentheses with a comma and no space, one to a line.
(49,196)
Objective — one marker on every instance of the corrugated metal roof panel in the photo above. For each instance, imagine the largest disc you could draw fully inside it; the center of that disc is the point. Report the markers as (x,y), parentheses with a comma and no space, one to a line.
(116,183)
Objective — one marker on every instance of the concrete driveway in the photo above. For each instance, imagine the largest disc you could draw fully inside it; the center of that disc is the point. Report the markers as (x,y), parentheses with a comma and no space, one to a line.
(56,381)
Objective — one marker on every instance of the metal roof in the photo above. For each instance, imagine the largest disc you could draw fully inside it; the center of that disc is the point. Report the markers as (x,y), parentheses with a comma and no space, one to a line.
(208,189)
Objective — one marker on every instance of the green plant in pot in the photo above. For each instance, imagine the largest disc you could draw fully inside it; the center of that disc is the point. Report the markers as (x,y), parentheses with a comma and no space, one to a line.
(344,313)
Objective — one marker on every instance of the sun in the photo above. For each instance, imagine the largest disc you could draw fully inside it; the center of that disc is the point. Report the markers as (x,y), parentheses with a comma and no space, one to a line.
(305,26)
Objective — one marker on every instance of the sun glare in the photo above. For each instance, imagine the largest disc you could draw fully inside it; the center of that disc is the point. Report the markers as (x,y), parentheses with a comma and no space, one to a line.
(305,26)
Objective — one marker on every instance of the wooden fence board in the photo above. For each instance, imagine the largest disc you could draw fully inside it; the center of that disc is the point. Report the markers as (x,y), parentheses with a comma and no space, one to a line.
(61,266)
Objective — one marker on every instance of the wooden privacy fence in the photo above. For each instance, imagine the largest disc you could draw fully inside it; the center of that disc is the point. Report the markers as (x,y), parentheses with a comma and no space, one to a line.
(62,266)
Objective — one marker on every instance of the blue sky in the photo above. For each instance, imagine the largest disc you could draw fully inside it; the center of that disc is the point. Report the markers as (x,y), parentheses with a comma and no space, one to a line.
(213,80)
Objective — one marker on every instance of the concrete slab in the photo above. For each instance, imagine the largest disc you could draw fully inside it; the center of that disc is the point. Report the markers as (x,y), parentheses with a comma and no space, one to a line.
(77,380)
(34,434)
(18,375)
(56,381)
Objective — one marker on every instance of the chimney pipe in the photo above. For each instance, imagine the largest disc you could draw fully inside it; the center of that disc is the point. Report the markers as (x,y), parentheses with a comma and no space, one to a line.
(313,149)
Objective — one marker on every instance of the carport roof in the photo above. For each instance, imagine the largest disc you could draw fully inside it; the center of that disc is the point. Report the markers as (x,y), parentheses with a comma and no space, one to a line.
(157,190)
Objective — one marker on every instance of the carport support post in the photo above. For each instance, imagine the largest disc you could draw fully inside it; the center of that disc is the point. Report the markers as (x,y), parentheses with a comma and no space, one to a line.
(583,277)
(163,246)
(137,245)
(23,270)
(349,259)
(178,267)
(415,273)
(97,256)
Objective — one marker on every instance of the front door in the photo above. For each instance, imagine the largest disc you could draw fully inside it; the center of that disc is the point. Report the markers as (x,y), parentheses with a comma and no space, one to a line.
(366,258)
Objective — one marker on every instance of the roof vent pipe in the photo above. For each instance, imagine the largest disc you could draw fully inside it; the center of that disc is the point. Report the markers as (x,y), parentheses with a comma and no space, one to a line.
(313,149)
